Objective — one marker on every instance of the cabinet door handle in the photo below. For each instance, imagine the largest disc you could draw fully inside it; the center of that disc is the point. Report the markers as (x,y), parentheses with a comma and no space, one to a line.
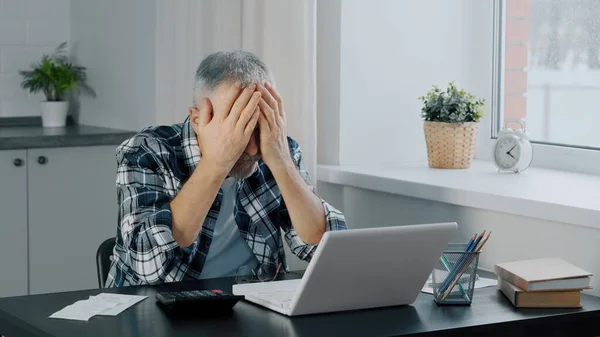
(42,160)
(18,162)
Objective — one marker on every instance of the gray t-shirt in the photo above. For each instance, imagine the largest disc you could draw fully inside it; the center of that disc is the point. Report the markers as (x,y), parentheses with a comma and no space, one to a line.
(228,250)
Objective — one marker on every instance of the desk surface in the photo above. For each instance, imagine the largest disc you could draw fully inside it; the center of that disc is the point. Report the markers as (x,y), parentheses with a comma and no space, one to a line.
(490,314)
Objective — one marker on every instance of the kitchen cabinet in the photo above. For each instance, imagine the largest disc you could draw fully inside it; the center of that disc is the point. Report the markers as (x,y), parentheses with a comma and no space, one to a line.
(13,223)
(58,202)
(72,209)
(56,206)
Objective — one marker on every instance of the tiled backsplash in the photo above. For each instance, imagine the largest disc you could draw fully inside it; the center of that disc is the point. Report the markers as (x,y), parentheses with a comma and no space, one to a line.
(28,29)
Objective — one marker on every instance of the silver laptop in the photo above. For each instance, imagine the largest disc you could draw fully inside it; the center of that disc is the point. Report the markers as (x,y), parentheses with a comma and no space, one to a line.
(358,269)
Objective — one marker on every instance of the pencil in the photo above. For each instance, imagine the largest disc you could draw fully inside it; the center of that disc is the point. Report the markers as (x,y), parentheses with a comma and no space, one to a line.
(476,243)
(449,268)
(452,272)
(471,242)
(483,242)
(464,267)
(461,260)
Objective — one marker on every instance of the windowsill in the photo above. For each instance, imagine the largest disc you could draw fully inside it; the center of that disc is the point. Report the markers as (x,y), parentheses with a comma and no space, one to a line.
(576,198)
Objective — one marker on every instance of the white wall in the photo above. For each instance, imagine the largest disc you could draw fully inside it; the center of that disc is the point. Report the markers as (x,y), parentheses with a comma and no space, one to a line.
(392,52)
(375,58)
(329,21)
(28,29)
(513,237)
(116,41)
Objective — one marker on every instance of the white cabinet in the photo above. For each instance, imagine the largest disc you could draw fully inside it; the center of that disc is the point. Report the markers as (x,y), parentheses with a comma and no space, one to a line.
(13,223)
(72,209)
(55,210)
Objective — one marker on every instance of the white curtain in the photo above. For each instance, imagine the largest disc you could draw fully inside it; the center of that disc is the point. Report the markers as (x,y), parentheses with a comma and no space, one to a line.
(281,32)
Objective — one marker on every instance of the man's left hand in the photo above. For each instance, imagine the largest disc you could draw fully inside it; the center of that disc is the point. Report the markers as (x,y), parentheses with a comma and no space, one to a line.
(304,206)
(273,136)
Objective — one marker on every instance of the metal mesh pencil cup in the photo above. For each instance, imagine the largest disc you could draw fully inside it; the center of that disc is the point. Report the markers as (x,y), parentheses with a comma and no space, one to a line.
(453,278)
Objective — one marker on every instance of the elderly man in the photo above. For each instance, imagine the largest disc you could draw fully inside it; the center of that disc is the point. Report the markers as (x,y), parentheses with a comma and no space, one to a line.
(208,197)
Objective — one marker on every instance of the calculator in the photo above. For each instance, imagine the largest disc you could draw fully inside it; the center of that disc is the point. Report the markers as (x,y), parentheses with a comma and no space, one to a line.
(194,302)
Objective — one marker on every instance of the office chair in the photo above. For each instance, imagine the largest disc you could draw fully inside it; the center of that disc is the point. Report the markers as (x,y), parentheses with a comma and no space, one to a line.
(103,261)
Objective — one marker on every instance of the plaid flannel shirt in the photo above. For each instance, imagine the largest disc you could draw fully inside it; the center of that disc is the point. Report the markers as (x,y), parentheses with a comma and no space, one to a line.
(152,167)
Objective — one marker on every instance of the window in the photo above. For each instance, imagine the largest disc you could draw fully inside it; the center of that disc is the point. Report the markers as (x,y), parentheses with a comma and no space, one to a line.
(551,69)
(548,75)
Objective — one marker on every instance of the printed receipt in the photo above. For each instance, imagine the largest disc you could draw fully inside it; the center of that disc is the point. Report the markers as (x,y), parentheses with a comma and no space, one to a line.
(103,305)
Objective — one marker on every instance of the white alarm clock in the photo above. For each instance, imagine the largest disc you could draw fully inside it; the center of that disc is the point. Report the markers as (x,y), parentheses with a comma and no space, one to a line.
(513,151)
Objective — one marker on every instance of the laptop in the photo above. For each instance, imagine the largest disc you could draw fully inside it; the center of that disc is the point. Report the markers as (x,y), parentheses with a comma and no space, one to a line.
(358,269)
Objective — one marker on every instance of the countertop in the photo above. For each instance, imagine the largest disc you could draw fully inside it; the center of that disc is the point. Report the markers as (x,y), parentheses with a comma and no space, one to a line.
(22,137)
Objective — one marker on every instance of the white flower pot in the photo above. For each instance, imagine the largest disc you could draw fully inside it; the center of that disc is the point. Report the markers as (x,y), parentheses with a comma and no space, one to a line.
(54,114)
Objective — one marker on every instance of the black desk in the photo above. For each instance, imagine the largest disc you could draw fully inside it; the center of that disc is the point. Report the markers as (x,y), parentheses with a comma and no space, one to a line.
(490,315)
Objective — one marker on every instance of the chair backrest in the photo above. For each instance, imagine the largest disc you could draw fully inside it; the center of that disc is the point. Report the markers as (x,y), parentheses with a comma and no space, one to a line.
(103,261)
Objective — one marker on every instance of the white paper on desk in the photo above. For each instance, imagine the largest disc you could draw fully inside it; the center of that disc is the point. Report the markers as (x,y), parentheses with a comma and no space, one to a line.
(480,282)
(123,302)
(102,304)
(82,310)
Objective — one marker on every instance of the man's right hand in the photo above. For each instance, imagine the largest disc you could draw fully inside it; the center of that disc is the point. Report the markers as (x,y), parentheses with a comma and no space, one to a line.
(223,135)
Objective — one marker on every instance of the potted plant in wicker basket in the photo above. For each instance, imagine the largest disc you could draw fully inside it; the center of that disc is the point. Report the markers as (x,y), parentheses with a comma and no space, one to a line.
(450,118)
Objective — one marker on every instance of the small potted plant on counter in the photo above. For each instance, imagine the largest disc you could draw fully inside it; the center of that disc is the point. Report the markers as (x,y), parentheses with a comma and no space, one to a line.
(56,76)
(451,118)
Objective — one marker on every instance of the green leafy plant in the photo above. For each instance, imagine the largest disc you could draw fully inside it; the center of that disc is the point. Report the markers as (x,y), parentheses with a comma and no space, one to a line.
(56,76)
(451,105)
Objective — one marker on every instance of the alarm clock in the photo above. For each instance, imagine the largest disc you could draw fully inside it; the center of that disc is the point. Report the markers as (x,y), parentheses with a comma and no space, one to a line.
(512,151)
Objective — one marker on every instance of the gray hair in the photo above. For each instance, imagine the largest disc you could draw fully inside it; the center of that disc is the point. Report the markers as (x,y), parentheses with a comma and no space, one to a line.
(231,66)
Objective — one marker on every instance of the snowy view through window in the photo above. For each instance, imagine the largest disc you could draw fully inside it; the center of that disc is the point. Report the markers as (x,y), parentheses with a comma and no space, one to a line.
(552,69)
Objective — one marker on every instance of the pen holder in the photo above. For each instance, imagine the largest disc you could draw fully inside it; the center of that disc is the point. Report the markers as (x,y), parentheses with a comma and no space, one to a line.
(453,278)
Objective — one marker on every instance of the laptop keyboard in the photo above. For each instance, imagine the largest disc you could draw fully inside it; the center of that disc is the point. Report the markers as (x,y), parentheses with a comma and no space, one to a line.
(280,297)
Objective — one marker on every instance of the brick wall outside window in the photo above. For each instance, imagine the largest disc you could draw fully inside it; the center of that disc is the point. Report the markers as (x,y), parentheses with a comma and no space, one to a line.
(517,23)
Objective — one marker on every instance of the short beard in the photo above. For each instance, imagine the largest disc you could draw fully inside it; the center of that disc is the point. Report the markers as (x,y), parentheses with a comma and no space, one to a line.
(245,166)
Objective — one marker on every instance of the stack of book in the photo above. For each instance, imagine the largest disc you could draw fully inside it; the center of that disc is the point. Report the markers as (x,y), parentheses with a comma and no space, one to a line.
(542,283)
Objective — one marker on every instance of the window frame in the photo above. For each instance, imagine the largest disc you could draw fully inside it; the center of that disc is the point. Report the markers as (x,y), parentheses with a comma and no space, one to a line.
(545,155)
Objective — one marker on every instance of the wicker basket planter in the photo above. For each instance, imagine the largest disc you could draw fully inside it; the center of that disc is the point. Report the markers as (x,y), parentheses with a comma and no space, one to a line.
(450,145)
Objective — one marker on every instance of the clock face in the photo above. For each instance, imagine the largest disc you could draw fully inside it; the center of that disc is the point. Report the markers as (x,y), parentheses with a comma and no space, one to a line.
(507,152)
